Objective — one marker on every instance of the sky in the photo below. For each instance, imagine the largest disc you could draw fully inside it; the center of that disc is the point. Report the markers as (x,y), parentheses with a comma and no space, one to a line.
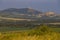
(40,5)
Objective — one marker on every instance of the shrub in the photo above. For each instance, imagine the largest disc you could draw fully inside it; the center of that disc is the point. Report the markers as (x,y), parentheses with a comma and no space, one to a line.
(40,30)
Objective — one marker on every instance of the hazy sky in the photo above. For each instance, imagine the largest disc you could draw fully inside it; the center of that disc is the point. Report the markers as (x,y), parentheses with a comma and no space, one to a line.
(41,5)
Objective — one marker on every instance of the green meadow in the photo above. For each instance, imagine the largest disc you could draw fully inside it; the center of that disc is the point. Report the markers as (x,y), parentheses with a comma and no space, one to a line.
(38,33)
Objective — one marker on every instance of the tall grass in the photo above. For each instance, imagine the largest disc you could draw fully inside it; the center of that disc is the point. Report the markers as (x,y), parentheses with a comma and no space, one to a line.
(40,33)
(18,36)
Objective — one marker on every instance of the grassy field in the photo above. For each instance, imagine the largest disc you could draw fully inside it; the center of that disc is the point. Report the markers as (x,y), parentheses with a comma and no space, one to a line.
(5,29)
(38,33)
(56,29)
(19,36)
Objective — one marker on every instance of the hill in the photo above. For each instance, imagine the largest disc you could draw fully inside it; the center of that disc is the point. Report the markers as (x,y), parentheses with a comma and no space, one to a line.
(19,13)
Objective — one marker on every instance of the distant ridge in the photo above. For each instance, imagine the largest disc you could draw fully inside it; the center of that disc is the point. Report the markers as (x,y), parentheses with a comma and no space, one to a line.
(22,10)
(18,13)
(26,13)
